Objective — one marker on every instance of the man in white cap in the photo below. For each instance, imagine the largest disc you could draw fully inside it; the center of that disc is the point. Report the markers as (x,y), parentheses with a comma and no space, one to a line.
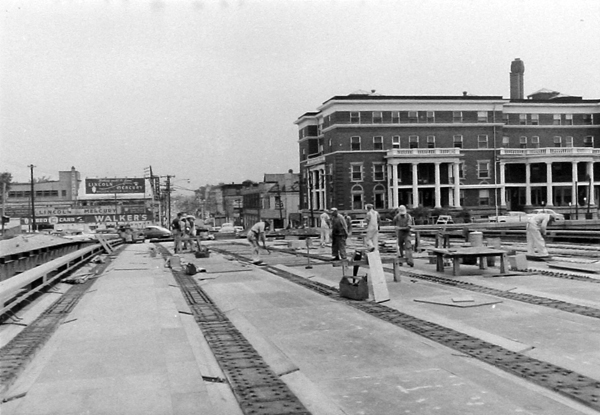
(372,236)
(536,227)
(402,223)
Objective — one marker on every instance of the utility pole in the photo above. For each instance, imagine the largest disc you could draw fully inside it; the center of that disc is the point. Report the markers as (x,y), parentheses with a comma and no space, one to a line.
(169,198)
(33,226)
(3,204)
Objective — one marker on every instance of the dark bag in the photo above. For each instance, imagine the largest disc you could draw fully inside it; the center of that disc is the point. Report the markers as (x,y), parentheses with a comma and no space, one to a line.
(190,269)
(354,288)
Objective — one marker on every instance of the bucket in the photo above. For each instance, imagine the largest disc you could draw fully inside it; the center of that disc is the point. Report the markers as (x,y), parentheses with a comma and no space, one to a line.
(476,238)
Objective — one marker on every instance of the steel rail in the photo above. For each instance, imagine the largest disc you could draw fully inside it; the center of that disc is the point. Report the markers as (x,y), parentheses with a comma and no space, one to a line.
(571,384)
(255,385)
(20,350)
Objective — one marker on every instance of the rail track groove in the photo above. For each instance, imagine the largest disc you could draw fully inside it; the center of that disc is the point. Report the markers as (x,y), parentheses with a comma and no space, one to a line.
(573,385)
(257,388)
(19,351)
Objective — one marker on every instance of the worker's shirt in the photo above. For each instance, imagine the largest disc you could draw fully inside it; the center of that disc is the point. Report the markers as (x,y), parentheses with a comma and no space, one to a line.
(539,221)
(325,220)
(372,220)
(258,228)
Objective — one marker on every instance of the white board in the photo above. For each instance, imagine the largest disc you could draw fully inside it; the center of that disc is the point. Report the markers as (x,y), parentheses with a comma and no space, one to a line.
(377,283)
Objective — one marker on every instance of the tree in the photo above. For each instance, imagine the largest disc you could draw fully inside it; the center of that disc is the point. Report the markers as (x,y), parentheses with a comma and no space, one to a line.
(5,177)
(43,179)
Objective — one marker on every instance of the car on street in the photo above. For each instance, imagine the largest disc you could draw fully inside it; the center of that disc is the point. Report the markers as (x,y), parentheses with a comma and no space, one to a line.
(156,232)
(510,216)
(559,216)
(227,228)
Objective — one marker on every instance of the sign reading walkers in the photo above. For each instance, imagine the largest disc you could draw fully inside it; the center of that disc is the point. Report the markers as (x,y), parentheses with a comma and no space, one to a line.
(114,185)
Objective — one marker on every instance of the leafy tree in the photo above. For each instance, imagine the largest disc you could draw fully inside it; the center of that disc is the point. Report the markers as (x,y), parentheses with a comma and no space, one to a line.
(5,177)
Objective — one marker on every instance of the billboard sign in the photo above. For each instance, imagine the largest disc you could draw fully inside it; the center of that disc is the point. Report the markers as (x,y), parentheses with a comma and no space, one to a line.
(114,186)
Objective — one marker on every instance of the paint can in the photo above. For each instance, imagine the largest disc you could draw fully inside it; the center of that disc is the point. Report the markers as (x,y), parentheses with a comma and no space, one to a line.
(476,238)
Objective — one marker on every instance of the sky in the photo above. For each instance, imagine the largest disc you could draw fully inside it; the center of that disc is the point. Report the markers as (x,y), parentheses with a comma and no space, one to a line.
(208,91)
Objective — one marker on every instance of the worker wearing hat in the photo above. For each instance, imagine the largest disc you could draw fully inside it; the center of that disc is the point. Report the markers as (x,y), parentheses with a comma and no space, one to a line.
(372,234)
(536,230)
(402,223)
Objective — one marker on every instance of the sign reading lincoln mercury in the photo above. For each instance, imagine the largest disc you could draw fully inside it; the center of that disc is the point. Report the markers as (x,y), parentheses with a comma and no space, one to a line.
(114,185)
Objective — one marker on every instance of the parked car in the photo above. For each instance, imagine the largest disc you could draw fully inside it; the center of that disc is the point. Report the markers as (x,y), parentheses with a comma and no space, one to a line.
(511,216)
(227,228)
(156,232)
(559,216)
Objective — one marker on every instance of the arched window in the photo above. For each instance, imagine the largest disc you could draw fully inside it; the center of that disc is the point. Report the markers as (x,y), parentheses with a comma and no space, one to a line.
(379,194)
(357,195)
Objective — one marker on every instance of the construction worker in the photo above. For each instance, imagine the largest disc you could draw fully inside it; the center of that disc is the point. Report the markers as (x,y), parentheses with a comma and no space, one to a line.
(536,230)
(256,234)
(403,223)
(372,236)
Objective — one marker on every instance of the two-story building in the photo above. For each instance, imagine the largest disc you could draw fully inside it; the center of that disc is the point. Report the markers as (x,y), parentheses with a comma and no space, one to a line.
(481,153)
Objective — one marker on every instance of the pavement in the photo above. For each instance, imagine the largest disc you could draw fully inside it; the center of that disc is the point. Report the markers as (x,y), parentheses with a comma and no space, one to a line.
(130,348)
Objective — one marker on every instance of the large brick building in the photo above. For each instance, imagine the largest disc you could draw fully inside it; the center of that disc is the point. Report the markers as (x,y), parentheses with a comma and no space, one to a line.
(487,154)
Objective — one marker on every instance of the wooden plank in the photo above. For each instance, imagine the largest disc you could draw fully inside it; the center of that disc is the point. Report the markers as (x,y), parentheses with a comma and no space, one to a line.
(104,244)
(377,278)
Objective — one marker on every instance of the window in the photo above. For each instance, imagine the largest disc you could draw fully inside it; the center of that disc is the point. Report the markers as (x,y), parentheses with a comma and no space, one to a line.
(330,144)
(535,141)
(461,171)
(304,154)
(568,141)
(413,116)
(568,119)
(505,118)
(379,196)
(355,143)
(458,141)
(556,119)
(588,119)
(64,193)
(523,119)
(523,142)
(483,169)
(457,116)
(535,119)
(413,141)
(431,141)
(357,197)
(396,142)
(395,117)
(356,172)
(482,116)
(378,172)
(588,141)
(505,141)
(377,143)
(482,141)
(355,118)
(377,117)
(484,197)
(430,117)
(557,141)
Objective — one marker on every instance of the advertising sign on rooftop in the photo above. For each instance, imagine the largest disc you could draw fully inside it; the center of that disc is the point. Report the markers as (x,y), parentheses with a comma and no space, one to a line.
(114,185)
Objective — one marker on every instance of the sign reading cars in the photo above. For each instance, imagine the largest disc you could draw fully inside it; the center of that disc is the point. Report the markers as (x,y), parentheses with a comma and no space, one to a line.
(114,185)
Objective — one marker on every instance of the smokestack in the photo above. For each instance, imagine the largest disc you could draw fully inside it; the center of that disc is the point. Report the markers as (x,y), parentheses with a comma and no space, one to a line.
(517,69)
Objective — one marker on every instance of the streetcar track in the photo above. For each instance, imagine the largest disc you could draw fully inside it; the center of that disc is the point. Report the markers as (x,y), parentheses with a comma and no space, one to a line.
(257,388)
(571,384)
(20,350)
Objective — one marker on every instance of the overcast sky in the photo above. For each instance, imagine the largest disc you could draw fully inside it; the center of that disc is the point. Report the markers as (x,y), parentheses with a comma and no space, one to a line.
(209,90)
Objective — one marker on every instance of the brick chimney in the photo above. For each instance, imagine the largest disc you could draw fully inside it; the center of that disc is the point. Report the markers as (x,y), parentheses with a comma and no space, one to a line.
(517,69)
